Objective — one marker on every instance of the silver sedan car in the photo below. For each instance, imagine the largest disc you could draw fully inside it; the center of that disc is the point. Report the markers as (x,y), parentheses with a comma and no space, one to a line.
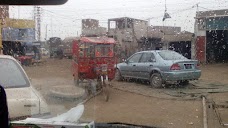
(159,67)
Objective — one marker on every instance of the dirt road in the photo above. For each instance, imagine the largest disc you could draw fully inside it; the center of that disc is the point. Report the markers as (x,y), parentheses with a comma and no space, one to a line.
(216,73)
(137,109)
(145,106)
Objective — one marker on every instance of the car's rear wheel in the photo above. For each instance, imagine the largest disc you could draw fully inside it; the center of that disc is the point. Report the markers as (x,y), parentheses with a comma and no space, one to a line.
(118,75)
(156,80)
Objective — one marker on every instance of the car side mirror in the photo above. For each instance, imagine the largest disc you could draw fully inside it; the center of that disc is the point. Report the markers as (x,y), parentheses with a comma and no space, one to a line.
(126,61)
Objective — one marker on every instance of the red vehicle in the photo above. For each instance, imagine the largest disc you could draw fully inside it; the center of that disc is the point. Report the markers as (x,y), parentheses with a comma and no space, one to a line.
(94,58)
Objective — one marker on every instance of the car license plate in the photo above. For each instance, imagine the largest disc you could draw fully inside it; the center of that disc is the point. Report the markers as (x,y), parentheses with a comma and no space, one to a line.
(188,66)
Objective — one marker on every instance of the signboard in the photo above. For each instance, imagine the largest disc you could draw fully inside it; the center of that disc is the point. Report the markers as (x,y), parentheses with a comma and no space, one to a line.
(16,34)
(217,23)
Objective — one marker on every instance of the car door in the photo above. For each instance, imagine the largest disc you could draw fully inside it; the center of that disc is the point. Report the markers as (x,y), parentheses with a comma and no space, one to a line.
(22,102)
(131,65)
(145,64)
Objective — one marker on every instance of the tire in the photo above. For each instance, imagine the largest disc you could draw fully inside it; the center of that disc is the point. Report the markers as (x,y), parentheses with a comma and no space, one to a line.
(60,57)
(70,57)
(184,82)
(156,80)
(118,75)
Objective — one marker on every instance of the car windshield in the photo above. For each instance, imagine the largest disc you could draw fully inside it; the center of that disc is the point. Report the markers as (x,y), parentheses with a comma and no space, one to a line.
(11,75)
(159,63)
(171,55)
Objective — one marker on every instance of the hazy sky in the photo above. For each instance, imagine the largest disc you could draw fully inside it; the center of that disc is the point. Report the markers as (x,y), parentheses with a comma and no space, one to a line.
(65,20)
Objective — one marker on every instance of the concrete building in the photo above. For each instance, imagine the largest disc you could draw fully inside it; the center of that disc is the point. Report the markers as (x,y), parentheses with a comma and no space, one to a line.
(211,36)
(158,36)
(128,32)
(89,23)
(168,37)
(90,27)
(135,35)
(180,42)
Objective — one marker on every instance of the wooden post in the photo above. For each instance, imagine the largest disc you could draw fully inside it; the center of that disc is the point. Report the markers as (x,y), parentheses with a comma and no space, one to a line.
(204,113)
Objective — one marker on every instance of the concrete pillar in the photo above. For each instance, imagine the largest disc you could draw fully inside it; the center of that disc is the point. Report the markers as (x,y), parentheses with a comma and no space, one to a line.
(108,25)
(125,23)
(193,48)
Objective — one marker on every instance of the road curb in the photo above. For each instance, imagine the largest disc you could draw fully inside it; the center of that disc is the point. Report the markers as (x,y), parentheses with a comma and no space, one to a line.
(68,92)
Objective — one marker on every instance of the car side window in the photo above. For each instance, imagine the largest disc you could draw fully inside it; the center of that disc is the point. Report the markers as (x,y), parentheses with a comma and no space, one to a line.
(152,59)
(135,58)
(147,57)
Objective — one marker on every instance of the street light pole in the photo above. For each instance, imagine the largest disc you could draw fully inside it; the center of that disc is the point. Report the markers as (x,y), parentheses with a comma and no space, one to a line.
(46,32)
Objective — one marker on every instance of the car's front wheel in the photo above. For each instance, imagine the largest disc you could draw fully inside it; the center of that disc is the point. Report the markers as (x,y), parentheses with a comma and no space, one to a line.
(156,80)
(184,82)
(118,75)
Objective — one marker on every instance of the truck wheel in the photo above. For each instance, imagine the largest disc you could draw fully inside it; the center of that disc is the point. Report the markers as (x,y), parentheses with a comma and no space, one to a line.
(156,80)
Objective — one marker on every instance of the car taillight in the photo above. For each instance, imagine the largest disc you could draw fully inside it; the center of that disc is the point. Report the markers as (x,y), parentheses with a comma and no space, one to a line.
(175,67)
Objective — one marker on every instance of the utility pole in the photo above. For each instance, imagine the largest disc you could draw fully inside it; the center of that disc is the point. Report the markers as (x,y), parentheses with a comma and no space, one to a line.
(34,13)
(37,19)
(46,32)
(34,19)
(51,27)
(39,23)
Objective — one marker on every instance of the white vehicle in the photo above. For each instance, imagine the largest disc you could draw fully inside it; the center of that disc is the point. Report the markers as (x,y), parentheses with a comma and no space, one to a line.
(23,100)
(44,51)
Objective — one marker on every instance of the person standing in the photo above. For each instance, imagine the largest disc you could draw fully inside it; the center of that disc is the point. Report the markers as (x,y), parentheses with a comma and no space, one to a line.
(4,115)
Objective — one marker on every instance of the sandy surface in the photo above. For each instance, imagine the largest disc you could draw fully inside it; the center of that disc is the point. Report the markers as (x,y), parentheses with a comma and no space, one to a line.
(216,73)
(137,109)
(153,108)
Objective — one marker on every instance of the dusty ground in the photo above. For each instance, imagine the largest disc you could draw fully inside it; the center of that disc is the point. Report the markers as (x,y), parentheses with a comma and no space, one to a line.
(132,102)
(216,73)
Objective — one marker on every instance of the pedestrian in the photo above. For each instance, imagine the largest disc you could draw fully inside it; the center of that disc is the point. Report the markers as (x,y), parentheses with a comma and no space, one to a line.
(4,120)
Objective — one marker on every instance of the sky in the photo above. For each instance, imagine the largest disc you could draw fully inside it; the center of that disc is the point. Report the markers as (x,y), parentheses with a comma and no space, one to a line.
(65,20)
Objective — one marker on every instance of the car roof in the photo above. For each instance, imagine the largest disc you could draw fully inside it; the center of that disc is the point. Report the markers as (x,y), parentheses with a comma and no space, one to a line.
(152,51)
(7,57)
